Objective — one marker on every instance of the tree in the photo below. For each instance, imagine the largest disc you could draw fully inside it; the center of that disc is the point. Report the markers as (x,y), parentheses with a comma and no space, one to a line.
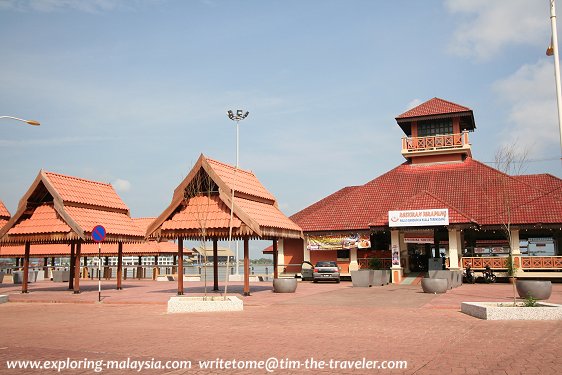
(509,159)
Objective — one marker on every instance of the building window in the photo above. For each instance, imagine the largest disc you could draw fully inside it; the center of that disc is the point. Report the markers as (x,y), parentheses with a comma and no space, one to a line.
(435,127)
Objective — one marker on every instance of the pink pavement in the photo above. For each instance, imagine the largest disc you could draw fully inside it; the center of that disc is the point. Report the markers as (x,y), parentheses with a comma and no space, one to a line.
(319,322)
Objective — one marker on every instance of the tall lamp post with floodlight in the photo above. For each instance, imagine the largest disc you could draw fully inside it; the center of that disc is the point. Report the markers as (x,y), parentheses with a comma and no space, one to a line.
(237,117)
(30,122)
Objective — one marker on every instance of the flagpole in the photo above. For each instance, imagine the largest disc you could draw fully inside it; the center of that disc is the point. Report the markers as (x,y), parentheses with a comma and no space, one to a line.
(556,68)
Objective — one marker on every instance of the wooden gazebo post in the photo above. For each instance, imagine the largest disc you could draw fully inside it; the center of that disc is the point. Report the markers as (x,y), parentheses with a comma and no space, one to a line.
(180,266)
(275,259)
(246,266)
(119,265)
(77,268)
(25,268)
(215,264)
(72,266)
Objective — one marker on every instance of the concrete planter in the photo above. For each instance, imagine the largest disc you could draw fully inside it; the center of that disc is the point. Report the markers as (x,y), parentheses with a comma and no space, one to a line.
(362,278)
(17,276)
(381,277)
(183,304)
(506,311)
(454,278)
(285,285)
(434,285)
(3,298)
(60,276)
(538,289)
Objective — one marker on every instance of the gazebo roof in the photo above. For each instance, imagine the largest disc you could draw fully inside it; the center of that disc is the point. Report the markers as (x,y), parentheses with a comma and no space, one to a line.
(4,214)
(203,200)
(59,209)
(221,251)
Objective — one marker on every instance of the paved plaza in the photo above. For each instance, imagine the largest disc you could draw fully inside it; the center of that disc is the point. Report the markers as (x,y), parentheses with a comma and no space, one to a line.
(320,322)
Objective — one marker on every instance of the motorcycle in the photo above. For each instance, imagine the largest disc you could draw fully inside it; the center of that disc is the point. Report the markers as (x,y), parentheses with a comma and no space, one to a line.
(468,275)
(488,275)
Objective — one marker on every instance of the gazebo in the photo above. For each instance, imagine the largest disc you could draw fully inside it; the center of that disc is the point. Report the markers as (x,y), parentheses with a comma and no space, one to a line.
(60,209)
(217,201)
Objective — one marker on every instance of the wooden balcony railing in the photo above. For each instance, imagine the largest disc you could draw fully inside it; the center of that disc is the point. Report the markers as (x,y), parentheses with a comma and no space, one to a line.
(435,142)
(527,262)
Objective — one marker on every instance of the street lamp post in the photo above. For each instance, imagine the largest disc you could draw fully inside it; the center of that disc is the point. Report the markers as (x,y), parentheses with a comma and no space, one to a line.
(237,117)
(553,50)
(30,122)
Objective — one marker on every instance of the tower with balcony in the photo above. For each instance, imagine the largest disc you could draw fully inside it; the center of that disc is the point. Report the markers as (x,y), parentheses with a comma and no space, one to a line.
(436,132)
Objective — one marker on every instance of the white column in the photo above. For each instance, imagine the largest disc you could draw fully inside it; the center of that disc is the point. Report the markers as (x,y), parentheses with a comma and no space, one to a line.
(453,251)
(404,254)
(306,252)
(395,270)
(280,256)
(460,249)
(353,264)
(515,249)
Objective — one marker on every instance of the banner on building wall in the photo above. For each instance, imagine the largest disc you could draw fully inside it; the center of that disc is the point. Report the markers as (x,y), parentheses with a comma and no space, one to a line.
(418,218)
(339,242)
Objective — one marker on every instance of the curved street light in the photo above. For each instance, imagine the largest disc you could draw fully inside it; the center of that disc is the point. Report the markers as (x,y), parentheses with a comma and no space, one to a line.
(30,122)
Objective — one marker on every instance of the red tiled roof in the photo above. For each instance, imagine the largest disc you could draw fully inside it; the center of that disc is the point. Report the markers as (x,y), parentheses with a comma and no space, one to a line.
(4,213)
(116,223)
(202,212)
(241,180)
(472,189)
(435,106)
(266,215)
(79,190)
(255,211)
(44,219)
(545,182)
(59,208)
(143,222)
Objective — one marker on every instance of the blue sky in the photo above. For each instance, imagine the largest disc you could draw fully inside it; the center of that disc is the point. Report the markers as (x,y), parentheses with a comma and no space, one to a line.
(131,92)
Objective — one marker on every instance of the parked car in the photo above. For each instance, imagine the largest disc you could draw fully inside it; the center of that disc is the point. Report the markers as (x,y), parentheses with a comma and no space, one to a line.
(326,271)
(307,270)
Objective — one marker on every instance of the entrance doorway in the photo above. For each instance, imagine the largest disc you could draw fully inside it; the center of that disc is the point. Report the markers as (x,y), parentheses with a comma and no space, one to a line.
(418,253)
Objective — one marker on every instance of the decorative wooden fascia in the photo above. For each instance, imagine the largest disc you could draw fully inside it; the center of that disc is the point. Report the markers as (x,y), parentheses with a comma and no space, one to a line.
(59,206)
(22,206)
(177,200)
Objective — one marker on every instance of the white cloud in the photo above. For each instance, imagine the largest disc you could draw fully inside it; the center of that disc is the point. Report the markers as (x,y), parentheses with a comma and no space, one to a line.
(121,186)
(490,26)
(413,103)
(530,95)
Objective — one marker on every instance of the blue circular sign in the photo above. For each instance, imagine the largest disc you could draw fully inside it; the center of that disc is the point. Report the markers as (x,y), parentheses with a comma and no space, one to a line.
(98,233)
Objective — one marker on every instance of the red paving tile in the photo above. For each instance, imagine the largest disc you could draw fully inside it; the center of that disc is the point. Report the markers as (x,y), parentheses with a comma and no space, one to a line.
(320,321)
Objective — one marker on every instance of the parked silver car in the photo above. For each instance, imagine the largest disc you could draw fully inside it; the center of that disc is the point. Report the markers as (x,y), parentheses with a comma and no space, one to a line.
(326,270)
